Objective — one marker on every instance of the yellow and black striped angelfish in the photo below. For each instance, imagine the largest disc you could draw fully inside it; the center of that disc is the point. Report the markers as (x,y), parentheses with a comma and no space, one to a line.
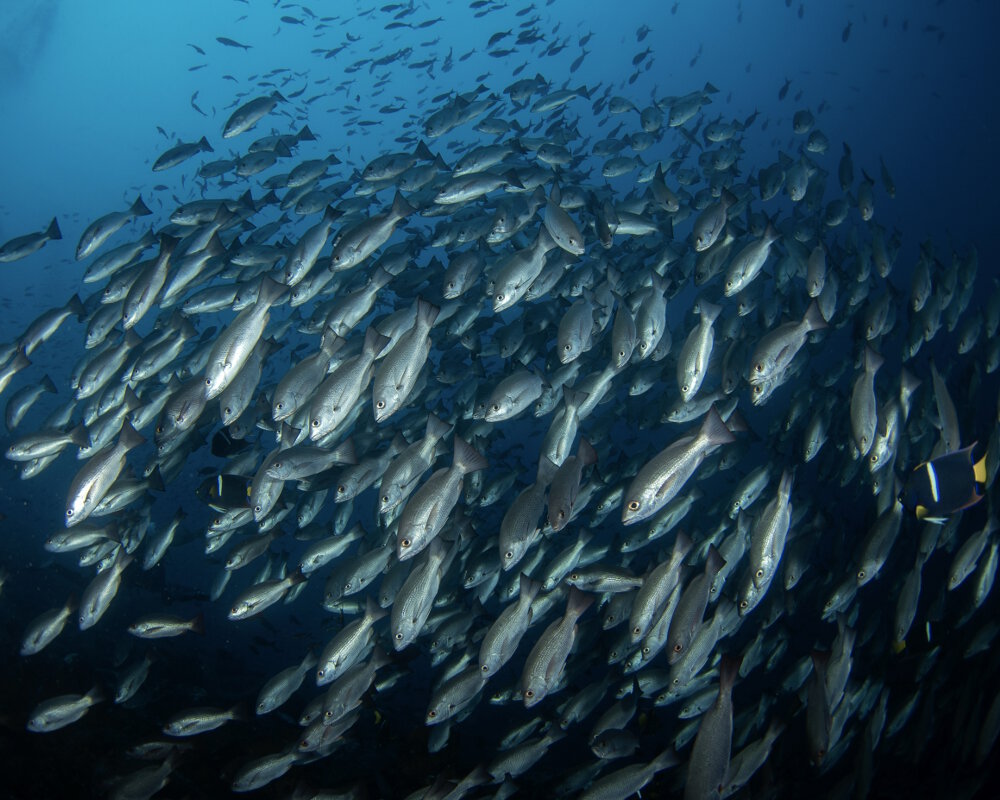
(945,485)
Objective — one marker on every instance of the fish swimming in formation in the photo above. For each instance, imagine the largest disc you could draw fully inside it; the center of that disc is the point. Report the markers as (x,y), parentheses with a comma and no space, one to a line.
(500,283)
(23,246)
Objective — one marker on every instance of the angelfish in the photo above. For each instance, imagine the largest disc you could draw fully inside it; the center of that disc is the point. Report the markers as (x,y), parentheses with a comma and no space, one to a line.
(944,485)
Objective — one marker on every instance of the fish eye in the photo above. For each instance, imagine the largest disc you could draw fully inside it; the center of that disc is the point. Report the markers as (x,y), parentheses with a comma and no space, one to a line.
(759,573)
(678,647)
(405,543)
(499,298)
(385,498)
(861,574)
(279,405)
(341,489)
(496,406)
(432,713)
(758,367)
(208,381)
(399,637)
(315,423)
(743,604)
(567,347)
(529,694)
(685,388)
(380,404)
(633,506)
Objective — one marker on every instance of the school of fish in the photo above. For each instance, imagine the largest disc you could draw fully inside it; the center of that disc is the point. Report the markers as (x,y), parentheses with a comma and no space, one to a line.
(608,434)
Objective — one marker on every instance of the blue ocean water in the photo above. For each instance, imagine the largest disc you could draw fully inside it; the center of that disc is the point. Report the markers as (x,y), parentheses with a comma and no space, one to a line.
(95,92)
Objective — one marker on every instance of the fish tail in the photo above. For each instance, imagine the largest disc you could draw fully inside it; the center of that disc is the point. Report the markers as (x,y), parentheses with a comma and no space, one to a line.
(53,232)
(979,470)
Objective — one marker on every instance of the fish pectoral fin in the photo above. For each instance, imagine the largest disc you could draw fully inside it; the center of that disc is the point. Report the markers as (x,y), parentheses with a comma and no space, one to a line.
(665,487)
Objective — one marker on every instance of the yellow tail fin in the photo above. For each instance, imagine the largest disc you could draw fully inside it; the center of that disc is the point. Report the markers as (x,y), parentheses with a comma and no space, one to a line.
(979,470)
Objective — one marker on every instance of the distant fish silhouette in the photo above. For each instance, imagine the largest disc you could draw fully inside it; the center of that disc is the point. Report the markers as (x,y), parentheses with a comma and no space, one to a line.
(231,42)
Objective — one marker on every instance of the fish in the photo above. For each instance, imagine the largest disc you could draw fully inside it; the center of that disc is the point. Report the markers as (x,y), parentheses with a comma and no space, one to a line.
(748,263)
(348,646)
(767,545)
(44,629)
(250,113)
(163,626)
(23,246)
(233,348)
(936,489)
(547,659)
(503,637)
(195,721)
(93,480)
(263,595)
(710,754)
(58,712)
(97,597)
(662,478)
(397,373)
(711,222)
(428,508)
(354,245)
(180,153)
(692,363)
(863,403)
(101,229)
(227,42)
(690,609)
(565,486)
(629,780)
(332,400)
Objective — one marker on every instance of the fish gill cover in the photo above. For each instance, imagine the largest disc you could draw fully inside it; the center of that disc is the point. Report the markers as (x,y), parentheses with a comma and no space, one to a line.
(483,400)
